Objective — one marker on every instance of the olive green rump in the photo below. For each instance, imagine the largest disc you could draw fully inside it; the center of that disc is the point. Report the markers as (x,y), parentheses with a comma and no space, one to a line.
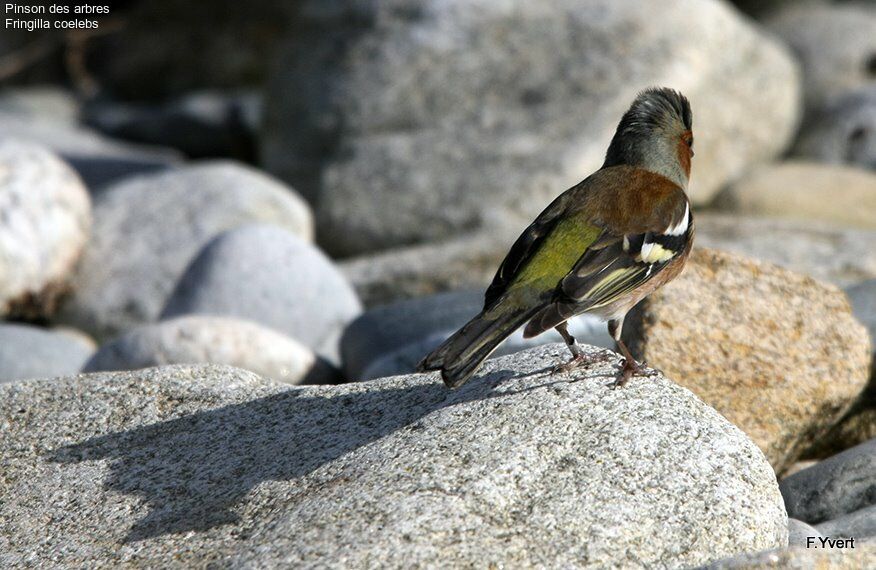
(541,274)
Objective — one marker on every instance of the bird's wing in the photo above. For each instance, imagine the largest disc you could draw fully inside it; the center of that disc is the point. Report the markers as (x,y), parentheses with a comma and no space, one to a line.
(644,226)
(529,243)
(631,254)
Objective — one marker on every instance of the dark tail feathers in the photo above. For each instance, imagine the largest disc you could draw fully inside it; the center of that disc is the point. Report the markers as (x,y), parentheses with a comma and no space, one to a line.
(461,355)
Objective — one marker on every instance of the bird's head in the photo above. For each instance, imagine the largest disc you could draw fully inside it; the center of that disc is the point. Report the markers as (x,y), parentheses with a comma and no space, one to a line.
(655,134)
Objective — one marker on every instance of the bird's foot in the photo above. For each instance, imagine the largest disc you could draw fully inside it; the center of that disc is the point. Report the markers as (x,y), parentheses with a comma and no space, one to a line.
(579,361)
(632,368)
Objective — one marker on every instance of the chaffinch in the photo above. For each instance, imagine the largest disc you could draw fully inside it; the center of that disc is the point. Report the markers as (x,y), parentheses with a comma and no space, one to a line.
(600,247)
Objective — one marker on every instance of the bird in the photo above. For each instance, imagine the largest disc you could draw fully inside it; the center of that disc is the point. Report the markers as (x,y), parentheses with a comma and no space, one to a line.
(600,247)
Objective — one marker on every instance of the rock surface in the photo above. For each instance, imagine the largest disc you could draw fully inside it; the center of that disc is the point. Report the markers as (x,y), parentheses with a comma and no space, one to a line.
(147,229)
(392,339)
(192,465)
(214,340)
(844,131)
(45,221)
(270,276)
(858,524)
(799,533)
(859,424)
(805,190)
(862,556)
(826,252)
(43,103)
(456,116)
(779,354)
(834,43)
(31,352)
(98,160)
(831,488)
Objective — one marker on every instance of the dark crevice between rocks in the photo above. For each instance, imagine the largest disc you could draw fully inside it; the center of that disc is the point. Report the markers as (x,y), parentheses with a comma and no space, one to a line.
(38,308)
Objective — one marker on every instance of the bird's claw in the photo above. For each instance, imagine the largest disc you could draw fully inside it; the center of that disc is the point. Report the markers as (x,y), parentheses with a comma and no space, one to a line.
(578,361)
(632,368)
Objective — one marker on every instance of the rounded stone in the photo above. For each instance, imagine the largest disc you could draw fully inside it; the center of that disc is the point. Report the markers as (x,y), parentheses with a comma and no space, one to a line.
(32,352)
(270,276)
(453,116)
(839,194)
(844,131)
(835,44)
(45,220)
(214,340)
(148,228)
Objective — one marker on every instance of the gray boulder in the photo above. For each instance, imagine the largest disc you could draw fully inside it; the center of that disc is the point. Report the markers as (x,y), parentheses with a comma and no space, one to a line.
(392,339)
(800,533)
(214,340)
(844,131)
(863,299)
(450,119)
(98,160)
(45,221)
(858,524)
(148,228)
(175,466)
(270,276)
(43,103)
(834,43)
(31,352)
(836,486)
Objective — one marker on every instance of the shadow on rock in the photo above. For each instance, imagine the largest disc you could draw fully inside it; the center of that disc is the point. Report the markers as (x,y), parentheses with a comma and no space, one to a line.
(192,471)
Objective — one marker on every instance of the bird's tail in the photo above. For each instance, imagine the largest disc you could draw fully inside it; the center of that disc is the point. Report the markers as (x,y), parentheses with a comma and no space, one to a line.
(459,356)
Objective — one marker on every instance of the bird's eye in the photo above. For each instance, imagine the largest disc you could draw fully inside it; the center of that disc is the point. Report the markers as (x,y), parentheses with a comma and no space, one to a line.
(689,142)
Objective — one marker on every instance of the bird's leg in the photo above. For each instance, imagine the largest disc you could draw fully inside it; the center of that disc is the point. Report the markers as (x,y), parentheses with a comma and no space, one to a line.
(630,367)
(578,357)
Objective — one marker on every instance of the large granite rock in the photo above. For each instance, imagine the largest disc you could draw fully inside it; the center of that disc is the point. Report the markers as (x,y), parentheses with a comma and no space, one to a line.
(270,276)
(455,116)
(178,466)
(805,190)
(834,43)
(392,339)
(45,220)
(148,228)
(843,131)
(834,487)
(214,340)
(826,252)
(98,160)
(779,354)
(31,352)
